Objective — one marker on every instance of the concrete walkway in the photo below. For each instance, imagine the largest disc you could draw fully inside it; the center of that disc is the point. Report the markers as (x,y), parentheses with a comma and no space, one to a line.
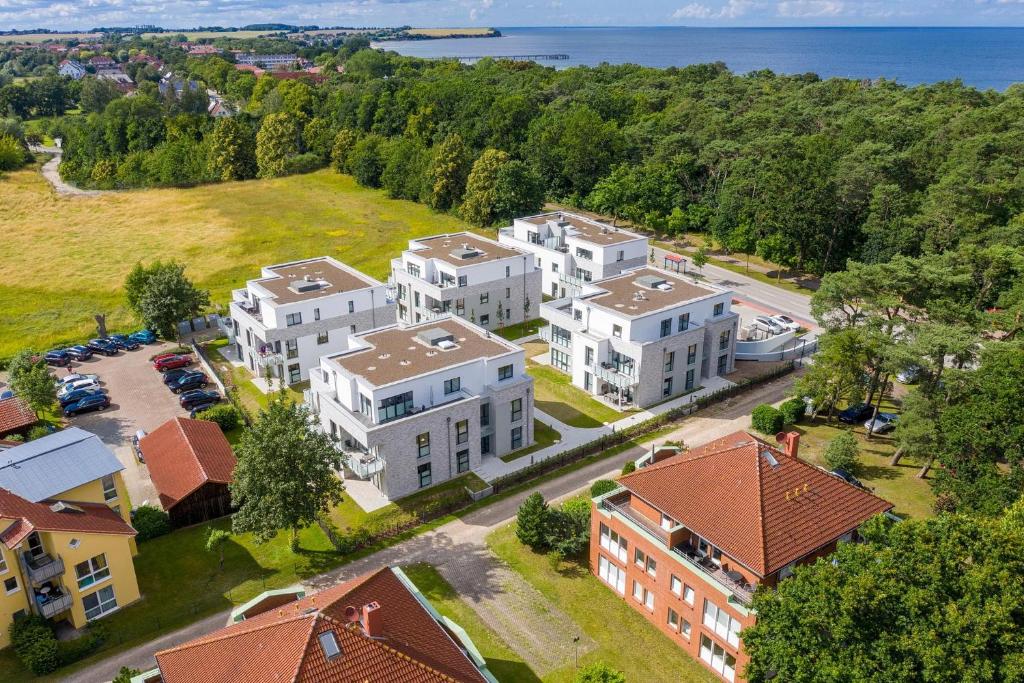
(459,549)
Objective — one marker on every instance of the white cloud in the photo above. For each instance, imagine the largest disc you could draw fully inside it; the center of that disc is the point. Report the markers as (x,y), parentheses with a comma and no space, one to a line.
(810,8)
(693,11)
(730,10)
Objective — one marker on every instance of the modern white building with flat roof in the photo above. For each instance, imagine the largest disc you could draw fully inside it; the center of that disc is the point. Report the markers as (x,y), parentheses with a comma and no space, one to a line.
(299,311)
(571,250)
(643,336)
(469,276)
(414,405)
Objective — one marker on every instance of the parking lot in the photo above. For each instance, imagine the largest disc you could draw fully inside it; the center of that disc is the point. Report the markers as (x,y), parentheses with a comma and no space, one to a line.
(138,400)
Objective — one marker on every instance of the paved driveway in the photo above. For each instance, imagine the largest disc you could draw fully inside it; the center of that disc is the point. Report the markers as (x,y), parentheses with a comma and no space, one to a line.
(138,400)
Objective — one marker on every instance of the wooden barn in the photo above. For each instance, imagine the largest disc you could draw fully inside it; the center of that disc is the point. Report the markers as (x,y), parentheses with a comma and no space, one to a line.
(190,463)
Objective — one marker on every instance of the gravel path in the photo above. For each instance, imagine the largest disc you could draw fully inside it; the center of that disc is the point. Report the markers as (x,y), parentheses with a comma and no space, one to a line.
(51,174)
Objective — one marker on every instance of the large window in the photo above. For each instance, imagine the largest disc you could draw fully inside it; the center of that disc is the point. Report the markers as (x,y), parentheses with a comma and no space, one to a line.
(584,253)
(462,461)
(684,322)
(723,363)
(613,543)
(460,307)
(423,445)
(561,360)
(504,372)
(715,656)
(394,407)
(109,488)
(462,431)
(561,336)
(351,307)
(99,603)
(588,355)
(719,309)
(723,340)
(292,348)
(294,373)
(517,438)
(485,414)
(322,337)
(92,571)
(689,379)
(644,596)
(485,297)
(413,269)
(485,444)
(424,473)
(517,409)
(614,576)
(3,563)
(719,621)
(670,361)
(452,385)
(666,327)
(691,354)
(293,319)
(622,363)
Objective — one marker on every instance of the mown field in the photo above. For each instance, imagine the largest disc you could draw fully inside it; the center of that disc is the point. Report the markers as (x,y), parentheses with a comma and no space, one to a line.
(202,35)
(43,37)
(64,259)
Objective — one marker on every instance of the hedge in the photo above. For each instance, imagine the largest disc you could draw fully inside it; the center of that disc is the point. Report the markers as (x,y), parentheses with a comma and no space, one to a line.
(602,486)
(793,410)
(225,415)
(767,419)
(150,522)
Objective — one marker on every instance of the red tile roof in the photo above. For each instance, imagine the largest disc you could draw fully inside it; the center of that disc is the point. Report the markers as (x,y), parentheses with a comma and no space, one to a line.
(94,518)
(184,454)
(282,644)
(761,514)
(15,415)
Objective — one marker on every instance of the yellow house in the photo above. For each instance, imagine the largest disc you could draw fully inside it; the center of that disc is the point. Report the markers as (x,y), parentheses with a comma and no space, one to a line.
(66,546)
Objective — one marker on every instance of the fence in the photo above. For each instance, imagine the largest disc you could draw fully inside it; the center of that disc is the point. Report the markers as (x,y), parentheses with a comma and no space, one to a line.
(228,389)
(632,432)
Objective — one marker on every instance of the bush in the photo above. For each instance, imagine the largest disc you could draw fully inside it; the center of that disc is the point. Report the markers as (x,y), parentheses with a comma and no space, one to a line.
(629,467)
(599,673)
(225,415)
(767,419)
(150,522)
(842,452)
(125,675)
(38,432)
(793,410)
(567,528)
(71,651)
(531,522)
(302,163)
(601,487)
(17,438)
(35,644)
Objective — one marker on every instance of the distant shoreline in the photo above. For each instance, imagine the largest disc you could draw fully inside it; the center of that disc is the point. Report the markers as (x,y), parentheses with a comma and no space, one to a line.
(442,34)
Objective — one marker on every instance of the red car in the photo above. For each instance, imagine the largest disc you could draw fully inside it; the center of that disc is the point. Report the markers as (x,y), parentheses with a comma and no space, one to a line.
(171,362)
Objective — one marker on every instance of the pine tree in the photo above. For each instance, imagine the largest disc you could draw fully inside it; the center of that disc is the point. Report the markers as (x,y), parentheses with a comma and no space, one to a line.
(531,521)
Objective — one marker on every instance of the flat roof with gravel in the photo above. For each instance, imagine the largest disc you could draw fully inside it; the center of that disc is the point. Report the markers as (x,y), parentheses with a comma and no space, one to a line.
(399,353)
(311,279)
(645,290)
(462,248)
(588,229)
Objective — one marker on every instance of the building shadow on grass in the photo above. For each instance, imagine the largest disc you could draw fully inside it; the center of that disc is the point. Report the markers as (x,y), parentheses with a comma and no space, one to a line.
(511,672)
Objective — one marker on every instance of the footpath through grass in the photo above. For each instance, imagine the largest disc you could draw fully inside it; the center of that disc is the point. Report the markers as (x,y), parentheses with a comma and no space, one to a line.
(626,641)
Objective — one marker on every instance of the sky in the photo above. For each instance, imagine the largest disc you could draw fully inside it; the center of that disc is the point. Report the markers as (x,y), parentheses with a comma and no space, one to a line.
(83,14)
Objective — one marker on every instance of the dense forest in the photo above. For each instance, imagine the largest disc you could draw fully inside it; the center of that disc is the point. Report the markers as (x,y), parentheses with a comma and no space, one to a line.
(805,172)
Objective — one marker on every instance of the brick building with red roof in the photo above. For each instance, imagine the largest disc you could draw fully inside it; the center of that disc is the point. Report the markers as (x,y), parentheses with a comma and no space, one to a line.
(15,416)
(688,538)
(191,464)
(377,627)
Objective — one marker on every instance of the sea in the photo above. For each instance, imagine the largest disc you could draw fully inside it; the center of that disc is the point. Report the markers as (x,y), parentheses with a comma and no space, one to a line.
(981,57)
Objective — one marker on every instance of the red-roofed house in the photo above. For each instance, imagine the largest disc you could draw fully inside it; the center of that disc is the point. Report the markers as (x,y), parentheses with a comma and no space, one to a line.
(377,627)
(102,61)
(686,540)
(190,463)
(15,416)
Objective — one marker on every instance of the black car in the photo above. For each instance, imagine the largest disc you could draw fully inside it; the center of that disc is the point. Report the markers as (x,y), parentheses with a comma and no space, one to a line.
(87,404)
(123,341)
(58,357)
(79,352)
(856,414)
(79,394)
(104,346)
(194,413)
(193,380)
(175,374)
(848,478)
(197,397)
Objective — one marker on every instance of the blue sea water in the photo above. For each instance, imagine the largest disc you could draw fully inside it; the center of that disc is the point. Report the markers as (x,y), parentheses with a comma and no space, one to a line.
(982,57)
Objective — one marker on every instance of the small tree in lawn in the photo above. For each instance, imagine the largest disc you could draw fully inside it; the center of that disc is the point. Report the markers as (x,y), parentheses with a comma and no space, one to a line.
(842,452)
(599,672)
(162,296)
(531,522)
(285,477)
(35,387)
(215,542)
(700,258)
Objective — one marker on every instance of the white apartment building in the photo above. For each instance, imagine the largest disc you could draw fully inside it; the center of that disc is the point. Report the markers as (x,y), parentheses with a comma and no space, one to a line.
(412,406)
(299,311)
(571,250)
(642,337)
(472,277)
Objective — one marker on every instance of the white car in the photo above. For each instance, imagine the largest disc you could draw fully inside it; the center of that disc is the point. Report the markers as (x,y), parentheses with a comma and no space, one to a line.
(766,324)
(786,322)
(76,377)
(77,384)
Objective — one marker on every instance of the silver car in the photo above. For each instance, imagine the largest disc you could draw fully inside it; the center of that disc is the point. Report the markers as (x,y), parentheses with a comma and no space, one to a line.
(767,324)
(882,423)
(786,322)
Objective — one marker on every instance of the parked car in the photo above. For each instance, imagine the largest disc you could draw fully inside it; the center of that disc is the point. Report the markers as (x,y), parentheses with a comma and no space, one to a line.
(123,341)
(172,375)
(79,352)
(104,346)
(194,413)
(848,478)
(882,423)
(58,357)
(171,362)
(87,404)
(855,413)
(79,394)
(76,377)
(196,397)
(193,380)
(66,389)
(909,375)
(786,322)
(766,324)
(6,393)
(162,355)
(143,336)
(136,438)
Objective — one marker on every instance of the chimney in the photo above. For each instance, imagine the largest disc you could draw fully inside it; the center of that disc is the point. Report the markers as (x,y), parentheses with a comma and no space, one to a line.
(373,620)
(791,444)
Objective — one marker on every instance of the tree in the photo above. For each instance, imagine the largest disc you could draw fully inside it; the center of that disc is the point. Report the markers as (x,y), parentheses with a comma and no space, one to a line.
(518,191)
(700,258)
(162,296)
(277,140)
(125,675)
(531,522)
(567,528)
(344,141)
(837,374)
(932,600)
(793,410)
(216,539)
(96,94)
(12,153)
(22,362)
(449,168)
(599,672)
(35,387)
(366,161)
(232,150)
(286,473)
(842,452)
(480,198)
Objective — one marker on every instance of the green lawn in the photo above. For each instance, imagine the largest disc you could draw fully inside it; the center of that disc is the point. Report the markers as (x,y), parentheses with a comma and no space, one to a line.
(519,330)
(556,396)
(625,640)
(222,232)
(543,437)
(505,664)
(252,398)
